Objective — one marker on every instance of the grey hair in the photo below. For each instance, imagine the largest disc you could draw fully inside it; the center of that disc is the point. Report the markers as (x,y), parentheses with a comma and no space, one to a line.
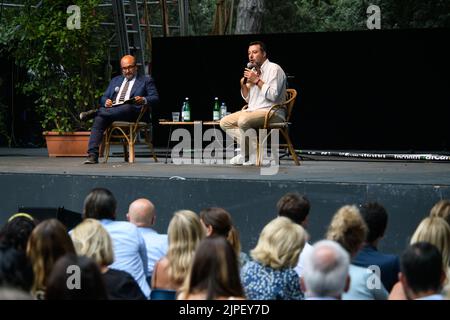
(326,276)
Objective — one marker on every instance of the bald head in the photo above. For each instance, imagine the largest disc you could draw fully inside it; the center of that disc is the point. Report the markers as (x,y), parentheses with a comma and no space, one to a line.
(141,213)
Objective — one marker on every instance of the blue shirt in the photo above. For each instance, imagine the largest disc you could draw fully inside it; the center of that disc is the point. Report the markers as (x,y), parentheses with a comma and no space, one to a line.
(265,283)
(157,246)
(130,253)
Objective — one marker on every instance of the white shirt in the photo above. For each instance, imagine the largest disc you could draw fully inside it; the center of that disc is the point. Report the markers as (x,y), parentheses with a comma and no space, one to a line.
(301,259)
(127,94)
(273,91)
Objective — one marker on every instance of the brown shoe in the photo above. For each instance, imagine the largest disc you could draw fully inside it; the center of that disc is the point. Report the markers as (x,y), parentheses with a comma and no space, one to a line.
(86,115)
(91,159)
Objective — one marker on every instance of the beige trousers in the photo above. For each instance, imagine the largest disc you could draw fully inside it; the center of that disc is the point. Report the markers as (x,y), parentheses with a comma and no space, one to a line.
(237,124)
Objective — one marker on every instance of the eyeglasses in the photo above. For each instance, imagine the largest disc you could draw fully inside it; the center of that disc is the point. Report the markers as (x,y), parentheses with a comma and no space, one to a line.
(128,68)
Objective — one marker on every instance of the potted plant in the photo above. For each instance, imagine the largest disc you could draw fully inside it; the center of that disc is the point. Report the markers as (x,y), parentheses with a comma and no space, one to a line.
(65,65)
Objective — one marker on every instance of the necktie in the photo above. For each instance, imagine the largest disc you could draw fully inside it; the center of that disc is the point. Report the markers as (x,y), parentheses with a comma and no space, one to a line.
(124,91)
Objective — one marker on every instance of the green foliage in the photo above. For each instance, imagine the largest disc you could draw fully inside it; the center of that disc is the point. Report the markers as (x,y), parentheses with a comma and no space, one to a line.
(63,65)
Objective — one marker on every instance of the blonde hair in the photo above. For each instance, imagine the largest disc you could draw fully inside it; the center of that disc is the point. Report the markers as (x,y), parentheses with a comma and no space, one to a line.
(436,231)
(280,243)
(441,209)
(91,239)
(184,232)
(348,228)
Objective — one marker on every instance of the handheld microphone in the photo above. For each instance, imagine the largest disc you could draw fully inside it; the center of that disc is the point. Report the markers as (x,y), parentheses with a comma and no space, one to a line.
(249,66)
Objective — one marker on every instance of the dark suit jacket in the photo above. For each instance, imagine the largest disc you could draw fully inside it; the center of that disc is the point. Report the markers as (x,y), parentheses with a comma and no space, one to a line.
(143,86)
(389,264)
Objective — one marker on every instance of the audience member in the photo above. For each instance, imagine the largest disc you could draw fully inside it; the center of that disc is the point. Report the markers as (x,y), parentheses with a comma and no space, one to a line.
(17,230)
(185,232)
(217,221)
(422,274)
(48,242)
(296,207)
(441,209)
(376,219)
(91,239)
(141,213)
(75,278)
(348,228)
(130,251)
(214,273)
(271,276)
(436,231)
(325,276)
(15,269)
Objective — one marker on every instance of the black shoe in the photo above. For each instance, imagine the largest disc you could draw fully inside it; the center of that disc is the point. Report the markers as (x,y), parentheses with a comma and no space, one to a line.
(87,115)
(91,159)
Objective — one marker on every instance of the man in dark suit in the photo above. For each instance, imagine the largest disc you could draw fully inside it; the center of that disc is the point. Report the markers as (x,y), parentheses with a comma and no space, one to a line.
(376,218)
(122,101)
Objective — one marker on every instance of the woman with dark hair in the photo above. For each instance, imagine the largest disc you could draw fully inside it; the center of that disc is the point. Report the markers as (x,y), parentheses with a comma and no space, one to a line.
(15,269)
(214,273)
(75,278)
(17,230)
(48,242)
(217,221)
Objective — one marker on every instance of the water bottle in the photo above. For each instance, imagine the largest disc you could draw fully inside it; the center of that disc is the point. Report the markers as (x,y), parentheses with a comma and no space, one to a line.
(223,110)
(186,111)
(216,110)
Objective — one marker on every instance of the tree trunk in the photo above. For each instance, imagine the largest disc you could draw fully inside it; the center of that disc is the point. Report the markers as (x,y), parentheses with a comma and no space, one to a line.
(249,16)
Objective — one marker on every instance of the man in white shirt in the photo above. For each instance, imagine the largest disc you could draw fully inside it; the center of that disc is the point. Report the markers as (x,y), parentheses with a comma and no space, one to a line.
(141,213)
(262,86)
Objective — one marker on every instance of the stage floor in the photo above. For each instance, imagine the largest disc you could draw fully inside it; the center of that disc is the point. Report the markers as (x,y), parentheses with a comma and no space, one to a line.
(36,161)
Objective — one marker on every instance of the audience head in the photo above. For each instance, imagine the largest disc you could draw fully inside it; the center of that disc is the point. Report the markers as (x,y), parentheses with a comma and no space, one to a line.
(17,230)
(217,221)
(214,270)
(75,278)
(348,228)
(437,232)
(441,209)
(184,233)
(376,218)
(326,270)
(421,270)
(280,244)
(100,204)
(48,241)
(294,206)
(91,239)
(141,213)
(15,269)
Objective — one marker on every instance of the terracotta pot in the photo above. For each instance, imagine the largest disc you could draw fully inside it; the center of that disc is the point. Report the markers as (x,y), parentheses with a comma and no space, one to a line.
(67,144)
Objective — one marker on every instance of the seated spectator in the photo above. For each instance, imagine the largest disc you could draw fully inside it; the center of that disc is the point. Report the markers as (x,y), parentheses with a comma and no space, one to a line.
(141,213)
(296,207)
(348,228)
(90,239)
(436,231)
(421,273)
(217,221)
(376,219)
(75,278)
(17,230)
(214,274)
(130,252)
(47,243)
(15,269)
(271,276)
(441,209)
(325,276)
(185,232)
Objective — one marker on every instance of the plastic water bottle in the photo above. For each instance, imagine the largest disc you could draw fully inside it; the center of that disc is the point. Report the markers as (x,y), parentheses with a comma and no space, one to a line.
(186,111)
(223,110)
(216,110)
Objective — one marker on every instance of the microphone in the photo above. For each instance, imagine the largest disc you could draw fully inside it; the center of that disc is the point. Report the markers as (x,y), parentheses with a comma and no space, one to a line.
(116,90)
(249,66)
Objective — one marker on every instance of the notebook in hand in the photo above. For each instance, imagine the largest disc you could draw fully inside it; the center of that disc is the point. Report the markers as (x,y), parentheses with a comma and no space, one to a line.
(129,101)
